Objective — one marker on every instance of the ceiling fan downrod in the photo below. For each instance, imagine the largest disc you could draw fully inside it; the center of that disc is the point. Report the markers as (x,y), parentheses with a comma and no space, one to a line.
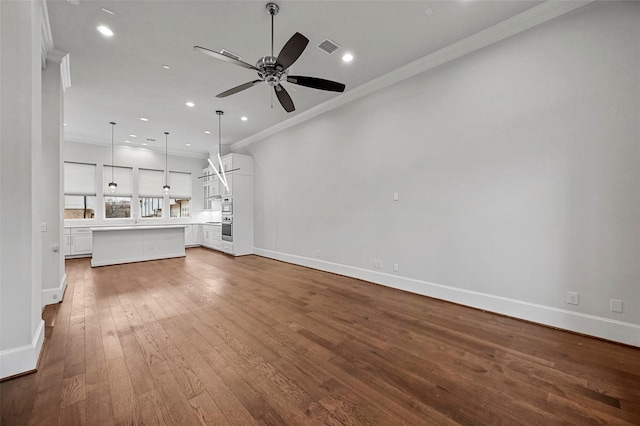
(272,9)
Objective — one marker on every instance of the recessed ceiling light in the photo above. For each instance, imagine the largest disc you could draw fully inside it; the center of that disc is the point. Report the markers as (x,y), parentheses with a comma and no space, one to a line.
(190,104)
(144,119)
(187,144)
(144,143)
(207,132)
(128,141)
(64,124)
(243,118)
(166,67)
(105,31)
(347,57)
(133,136)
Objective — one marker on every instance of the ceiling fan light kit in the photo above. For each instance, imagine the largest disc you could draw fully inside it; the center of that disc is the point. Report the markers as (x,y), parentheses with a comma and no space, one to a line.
(274,70)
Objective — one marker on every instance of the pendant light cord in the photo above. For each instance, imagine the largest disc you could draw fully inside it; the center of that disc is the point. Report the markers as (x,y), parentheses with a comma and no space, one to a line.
(166,156)
(112,126)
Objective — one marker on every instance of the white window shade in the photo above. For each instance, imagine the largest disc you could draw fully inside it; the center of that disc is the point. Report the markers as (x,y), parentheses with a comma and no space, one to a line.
(122,176)
(180,184)
(79,179)
(150,183)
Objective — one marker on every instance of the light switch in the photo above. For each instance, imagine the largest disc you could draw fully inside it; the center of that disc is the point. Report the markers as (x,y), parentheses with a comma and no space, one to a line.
(395,196)
(43,226)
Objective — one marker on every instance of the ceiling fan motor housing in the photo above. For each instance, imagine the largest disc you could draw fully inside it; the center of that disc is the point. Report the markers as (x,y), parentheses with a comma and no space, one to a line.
(269,71)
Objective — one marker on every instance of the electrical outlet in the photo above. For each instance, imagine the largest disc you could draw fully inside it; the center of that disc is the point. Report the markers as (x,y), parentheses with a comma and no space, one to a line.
(573,298)
(55,296)
(43,227)
(375,263)
(395,267)
(395,196)
(616,305)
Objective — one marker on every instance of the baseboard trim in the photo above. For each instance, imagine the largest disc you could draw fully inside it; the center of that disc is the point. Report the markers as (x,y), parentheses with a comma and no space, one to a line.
(54,295)
(591,325)
(22,359)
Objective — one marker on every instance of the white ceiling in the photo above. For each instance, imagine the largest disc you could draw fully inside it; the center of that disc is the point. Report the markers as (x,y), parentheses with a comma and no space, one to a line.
(122,79)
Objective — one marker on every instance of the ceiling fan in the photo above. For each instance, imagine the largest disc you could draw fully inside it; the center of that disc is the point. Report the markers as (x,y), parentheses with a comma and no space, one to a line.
(275,70)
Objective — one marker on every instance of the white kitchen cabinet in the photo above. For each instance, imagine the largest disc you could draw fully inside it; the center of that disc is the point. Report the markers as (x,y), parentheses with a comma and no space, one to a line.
(227,162)
(227,191)
(67,241)
(80,242)
(207,235)
(196,234)
(211,192)
(227,247)
(206,173)
(192,235)
(212,236)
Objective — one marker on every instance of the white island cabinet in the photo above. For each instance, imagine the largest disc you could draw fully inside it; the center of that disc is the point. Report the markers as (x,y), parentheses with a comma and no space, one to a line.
(113,245)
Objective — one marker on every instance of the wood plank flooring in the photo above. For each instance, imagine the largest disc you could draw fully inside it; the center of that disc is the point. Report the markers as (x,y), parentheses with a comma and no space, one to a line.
(211,339)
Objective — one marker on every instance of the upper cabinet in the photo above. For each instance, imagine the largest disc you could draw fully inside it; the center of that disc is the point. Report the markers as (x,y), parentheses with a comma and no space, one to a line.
(210,188)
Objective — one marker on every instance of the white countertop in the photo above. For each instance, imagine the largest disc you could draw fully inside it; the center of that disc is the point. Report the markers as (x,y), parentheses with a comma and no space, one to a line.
(135,227)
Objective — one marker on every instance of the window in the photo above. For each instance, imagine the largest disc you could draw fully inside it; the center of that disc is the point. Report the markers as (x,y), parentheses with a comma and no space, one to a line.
(79,190)
(117,202)
(79,207)
(180,202)
(179,208)
(150,207)
(151,195)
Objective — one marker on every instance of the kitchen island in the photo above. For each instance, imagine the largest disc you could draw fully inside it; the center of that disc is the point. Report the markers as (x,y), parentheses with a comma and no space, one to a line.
(114,245)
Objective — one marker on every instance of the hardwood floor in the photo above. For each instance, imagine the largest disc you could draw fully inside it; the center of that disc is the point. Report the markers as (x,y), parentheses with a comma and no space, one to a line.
(232,341)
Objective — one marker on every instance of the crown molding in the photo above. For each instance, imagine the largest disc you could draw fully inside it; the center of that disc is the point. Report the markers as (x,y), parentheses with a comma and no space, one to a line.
(507,28)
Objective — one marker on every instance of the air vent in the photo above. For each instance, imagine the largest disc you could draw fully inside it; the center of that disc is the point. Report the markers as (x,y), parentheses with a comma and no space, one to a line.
(328,46)
(225,52)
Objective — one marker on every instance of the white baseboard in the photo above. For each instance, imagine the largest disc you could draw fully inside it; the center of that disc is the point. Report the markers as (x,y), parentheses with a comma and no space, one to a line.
(22,359)
(591,325)
(54,295)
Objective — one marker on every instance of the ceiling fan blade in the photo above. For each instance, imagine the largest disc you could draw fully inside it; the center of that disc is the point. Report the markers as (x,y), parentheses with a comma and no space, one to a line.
(284,98)
(224,57)
(292,51)
(316,83)
(238,89)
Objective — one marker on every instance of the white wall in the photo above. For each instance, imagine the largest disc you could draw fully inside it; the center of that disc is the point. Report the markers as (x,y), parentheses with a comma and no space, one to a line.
(137,157)
(517,169)
(53,273)
(21,325)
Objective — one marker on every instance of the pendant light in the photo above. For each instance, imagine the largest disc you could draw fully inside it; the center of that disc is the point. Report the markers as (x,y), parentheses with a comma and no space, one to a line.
(166,187)
(112,184)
